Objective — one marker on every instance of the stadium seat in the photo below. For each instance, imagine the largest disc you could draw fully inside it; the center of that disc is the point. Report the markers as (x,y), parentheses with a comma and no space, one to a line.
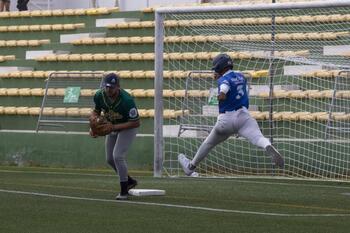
(74,112)
(34,111)
(60,111)
(10,110)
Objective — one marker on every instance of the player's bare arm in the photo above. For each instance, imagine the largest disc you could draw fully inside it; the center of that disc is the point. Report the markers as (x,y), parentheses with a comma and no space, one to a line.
(221,96)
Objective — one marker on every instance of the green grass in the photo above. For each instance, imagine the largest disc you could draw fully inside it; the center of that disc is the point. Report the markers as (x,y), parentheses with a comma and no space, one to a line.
(252,205)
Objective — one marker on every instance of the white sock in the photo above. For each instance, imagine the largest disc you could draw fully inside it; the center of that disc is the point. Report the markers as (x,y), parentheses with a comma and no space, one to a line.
(263,142)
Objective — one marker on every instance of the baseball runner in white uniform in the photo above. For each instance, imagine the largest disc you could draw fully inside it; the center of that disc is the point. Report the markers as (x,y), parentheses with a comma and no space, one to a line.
(233,118)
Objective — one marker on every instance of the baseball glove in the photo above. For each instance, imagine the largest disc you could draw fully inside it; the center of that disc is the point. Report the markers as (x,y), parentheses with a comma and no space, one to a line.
(100,126)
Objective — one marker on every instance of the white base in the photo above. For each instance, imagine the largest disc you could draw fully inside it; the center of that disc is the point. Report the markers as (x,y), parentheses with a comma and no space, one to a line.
(146,192)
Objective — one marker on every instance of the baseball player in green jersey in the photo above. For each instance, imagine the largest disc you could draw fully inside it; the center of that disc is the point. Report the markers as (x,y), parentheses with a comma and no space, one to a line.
(119,108)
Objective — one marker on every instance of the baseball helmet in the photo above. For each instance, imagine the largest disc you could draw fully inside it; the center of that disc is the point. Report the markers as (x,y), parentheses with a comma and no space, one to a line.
(111,80)
(222,61)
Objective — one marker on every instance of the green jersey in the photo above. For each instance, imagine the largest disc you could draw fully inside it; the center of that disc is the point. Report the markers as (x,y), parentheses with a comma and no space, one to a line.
(123,109)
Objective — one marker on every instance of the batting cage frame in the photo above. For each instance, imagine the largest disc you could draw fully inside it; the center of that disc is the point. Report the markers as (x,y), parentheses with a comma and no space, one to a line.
(323,125)
(68,101)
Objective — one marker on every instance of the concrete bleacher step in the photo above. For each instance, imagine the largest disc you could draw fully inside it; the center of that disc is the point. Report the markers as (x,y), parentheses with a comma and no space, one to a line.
(109,21)
(33,54)
(7,69)
(300,69)
(336,50)
(67,38)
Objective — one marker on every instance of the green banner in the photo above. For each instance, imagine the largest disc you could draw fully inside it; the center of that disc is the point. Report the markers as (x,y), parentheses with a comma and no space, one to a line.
(71,95)
(213,96)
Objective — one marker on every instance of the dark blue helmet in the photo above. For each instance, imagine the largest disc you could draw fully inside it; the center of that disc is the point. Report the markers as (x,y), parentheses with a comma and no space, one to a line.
(111,80)
(222,61)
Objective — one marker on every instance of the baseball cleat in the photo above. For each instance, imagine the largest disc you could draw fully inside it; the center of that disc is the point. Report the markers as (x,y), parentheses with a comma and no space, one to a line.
(131,183)
(121,197)
(277,158)
(185,164)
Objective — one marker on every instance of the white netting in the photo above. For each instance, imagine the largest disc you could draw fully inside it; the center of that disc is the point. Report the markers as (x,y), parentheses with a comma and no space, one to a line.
(300,57)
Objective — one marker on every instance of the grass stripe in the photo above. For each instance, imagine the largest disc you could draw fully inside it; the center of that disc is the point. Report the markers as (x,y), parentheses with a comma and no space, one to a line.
(172,205)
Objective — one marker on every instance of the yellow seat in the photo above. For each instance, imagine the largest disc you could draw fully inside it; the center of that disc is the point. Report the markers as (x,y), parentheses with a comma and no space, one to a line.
(57,27)
(147,24)
(125,74)
(99,41)
(68,26)
(136,56)
(149,113)
(339,116)
(57,12)
(137,74)
(147,39)
(1,110)
(180,93)
(99,57)
(77,42)
(24,92)
(80,12)
(39,74)
(5,14)
(48,111)
(13,28)
(73,112)
(46,13)
(35,13)
(168,93)
(68,12)
(149,74)
(194,93)
(142,112)
(87,92)
(10,110)
(79,25)
(124,56)
(63,57)
(46,27)
(50,92)
(149,92)
(22,110)
(11,43)
(74,57)
(111,56)
(15,14)
(22,43)
(23,28)
(60,91)
(168,113)
(3,91)
(111,40)
(138,93)
(12,91)
(135,24)
(26,74)
(50,58)
(60,111)
(3,28)
(87,57)
(34,28)
(306,116)
(85,112)
(34,111)
(123,40)
(33,43)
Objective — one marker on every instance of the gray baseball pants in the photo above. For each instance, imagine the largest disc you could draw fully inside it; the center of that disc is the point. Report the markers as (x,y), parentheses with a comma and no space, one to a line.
(236,122)
(117,146)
